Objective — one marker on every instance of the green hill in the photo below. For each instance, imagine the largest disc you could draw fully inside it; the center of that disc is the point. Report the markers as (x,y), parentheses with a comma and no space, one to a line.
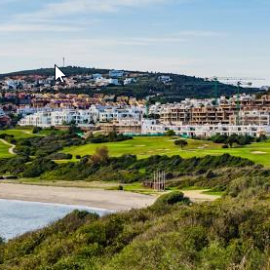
(180,88)
(231,233)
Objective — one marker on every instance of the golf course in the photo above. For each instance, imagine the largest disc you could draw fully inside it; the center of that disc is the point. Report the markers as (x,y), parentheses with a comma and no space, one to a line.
(144,147)
(4,150)
(19,133)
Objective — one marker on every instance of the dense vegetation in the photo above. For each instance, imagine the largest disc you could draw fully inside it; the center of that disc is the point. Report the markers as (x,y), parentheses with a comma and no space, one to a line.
(231,233)
(44,146)
(55,140)
(236,139)
(111,137)
(125,169)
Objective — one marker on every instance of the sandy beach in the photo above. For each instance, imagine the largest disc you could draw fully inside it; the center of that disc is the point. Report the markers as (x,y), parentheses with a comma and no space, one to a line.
(96,198)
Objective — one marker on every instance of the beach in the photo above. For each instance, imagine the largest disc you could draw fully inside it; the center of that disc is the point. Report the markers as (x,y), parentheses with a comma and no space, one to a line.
(94,198)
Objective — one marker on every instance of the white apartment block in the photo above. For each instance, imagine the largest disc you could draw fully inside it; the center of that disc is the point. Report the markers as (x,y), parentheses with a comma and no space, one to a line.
(118,114)
(39,119)
(58,118)
(93,115)
(152,127)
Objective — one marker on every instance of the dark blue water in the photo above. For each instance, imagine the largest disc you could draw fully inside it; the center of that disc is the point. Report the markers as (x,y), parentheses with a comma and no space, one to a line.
(17,217)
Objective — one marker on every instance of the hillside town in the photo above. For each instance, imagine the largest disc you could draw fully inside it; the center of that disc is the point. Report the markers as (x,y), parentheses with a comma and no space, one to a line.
(29,97)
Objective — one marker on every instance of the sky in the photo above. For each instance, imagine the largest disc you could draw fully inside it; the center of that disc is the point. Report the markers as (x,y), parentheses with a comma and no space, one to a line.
(204,38)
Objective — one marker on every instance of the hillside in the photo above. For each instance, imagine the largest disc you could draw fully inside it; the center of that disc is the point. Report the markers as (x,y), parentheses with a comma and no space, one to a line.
(180,88)
(231,233)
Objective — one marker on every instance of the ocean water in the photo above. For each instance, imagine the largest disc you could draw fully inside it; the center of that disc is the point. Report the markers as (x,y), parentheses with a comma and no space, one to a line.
(18,217)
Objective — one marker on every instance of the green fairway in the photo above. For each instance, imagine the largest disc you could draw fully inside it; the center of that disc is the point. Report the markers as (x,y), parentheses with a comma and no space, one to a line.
(144,147)
(19,133)
(257,152)
(4,150)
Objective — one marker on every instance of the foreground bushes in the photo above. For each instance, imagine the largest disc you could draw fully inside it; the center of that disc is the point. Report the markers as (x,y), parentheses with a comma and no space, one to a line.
(125,169)
(219,235)
(171,199)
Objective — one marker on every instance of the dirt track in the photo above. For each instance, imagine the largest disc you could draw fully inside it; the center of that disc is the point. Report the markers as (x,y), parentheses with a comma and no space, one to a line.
(198,196)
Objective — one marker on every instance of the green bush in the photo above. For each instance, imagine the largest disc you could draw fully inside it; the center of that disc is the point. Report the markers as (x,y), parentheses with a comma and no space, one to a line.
(172,198)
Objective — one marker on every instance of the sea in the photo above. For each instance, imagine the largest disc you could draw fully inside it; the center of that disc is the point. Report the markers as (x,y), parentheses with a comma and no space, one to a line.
(19,217)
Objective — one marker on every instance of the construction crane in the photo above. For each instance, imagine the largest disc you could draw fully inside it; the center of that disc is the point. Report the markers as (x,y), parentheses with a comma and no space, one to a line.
(239,82)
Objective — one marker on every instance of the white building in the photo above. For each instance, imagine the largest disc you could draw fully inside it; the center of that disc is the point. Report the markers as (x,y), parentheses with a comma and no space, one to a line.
(164,79)
(47,118)
(111,114)
(128,81)
(60,117)
(152,127)
(116,73)
(39,119)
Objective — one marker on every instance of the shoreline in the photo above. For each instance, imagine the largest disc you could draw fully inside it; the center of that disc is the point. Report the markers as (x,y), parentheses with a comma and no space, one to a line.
(70,206)
(73,196)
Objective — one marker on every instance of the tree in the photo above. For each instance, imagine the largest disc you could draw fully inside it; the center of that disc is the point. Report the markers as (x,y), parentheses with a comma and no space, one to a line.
(170,133)
(232,139)
(101,155)
(181,143)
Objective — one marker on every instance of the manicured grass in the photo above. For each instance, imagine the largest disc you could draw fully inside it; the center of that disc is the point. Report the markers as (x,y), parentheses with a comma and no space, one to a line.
(214,193)
(4,150)
(19,133)
(144,147)
(257,152)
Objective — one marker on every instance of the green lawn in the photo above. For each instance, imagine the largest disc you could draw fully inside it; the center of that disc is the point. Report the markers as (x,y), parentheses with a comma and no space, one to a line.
(144,147)
(4,150)
(19,133)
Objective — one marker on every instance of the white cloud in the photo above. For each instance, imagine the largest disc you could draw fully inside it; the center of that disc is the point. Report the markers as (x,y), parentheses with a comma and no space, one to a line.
(36,28)
(191,33)
(73,7)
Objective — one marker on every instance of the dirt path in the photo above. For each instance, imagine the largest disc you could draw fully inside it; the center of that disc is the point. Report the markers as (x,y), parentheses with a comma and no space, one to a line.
(97,198)
(199,196)
(12,146)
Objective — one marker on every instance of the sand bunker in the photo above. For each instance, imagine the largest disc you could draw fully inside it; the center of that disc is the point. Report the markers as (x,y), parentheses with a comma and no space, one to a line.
(259,153)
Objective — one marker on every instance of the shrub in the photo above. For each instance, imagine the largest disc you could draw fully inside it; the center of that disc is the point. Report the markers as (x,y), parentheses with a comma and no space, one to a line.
(120,187)
(181,143)
(170,133)
(172,198)
(60,156)
(36,130)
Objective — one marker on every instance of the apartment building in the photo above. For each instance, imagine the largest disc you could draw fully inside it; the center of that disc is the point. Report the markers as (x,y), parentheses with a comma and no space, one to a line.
(110,114)
(259,118)
(126,127)
(175,115)
(57,117)
(153,127)
(209,115)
